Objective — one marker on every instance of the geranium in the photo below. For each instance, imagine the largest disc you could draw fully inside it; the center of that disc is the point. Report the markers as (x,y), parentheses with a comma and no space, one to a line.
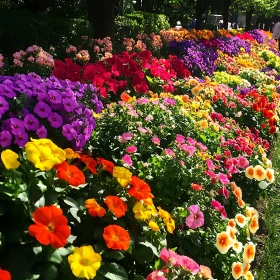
(139,189)
(10,159)
(94,209)
(196,217)
(84,262)
(50,227)
(116,237)
(116,205)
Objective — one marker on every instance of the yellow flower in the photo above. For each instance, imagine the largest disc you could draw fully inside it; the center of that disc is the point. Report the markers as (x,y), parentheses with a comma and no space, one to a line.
(84,262)
(237,270)
(170,225)
(143,211)
(224,242)
(9,159)
(123,175)
(153,226)
(44,154)
(70,154)
(249,253)
(163,214)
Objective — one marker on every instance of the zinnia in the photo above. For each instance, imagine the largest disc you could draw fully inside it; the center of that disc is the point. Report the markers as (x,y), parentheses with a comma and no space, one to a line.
(50,227)
(70,173)
(84,262)
(9,159)
(94,209)
(140,189)
(116,205)
(116,237)
(223,242)
(196,217)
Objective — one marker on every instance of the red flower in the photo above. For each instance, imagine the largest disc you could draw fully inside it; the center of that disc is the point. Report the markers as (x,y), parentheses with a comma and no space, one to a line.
(5,275)
(116,237)
(196,187)
(140,189)
(90,163)
(94,209)
(70,173)
(116,205)
(50,227)
(67,70)
(272,130)
(106,164)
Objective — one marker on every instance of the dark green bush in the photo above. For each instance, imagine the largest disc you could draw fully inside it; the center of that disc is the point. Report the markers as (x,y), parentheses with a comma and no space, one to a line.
(139,22)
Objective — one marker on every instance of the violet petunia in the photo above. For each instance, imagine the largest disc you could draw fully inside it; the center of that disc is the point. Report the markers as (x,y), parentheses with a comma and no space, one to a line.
(42,109)
(41,132)
(30,122)
(55,120)
(5,139)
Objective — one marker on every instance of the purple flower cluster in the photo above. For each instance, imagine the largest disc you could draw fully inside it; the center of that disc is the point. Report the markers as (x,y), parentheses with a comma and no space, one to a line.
(230,45)
(34,107)
(198,57)
(257,35)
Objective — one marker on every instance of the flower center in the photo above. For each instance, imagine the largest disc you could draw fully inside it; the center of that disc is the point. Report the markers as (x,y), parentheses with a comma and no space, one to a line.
(195,216)
(84,262)
(50,227)
(115,238)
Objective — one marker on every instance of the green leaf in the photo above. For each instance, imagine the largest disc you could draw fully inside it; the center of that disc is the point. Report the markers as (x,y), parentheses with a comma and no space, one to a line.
(115,255)
(23,197)
(71,202)
(143,255)
(113,271)
(203,137)
(138,277)
(56,257)
(151,246)
(51,273)
(149,79)
(74,213)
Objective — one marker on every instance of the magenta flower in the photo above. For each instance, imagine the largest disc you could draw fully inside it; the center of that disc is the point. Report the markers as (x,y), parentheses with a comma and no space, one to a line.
(169,152)
(41,132)
(5,138)
(180,139)
(55,120)
(156,275)
(156,140)
(170,256)
(131,149)
(218,206)
(196,217)
(191,141)
(242,162)
(189,149)
(223,178)
(223,191)
(125,137)
(210,164)
(127,160)
(190,264)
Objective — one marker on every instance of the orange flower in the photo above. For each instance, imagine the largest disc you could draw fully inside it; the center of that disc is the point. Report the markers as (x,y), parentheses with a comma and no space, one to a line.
(249,253)
(250,172)
(205,271)
(270,175)
(237,247)
(237,270)
(238,193)
(116,205)
(223,242)
(246,268)
(140,189)
(250,212)
(5,275)
(94,209)
(70,173)
(241,203)
(231,231)
(116,237)
(196,187)
(125,97)
(241,220)
(106,164)
(254,224)
(70,154)
(90,163)
(50,226)
(232,223)
(260,173)
(248,275)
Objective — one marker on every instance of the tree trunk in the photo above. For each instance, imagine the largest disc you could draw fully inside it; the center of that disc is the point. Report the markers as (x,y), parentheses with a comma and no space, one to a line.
(101,13)
(226,13)
(249,14)
(198,13)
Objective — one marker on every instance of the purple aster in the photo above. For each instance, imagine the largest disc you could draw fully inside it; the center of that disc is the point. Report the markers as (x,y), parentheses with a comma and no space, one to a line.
(41,132)
(5,138)
(54,96)
(69,105)
(42,109)
(68,132)
(4,105)
(17,126)
(55,120)
(21,139)
(30,122)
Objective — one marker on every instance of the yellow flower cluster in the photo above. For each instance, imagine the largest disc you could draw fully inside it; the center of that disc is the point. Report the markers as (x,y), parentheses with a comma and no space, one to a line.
(10,159)
(122,175)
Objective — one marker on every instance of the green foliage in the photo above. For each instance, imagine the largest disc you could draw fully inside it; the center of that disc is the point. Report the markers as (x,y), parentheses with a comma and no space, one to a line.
(139,22)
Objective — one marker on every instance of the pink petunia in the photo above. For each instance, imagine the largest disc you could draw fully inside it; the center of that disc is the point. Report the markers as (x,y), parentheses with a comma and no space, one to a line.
(196,217)
(223,191)
(180,139)
(223,178)
(156,140)
(242,162)
(218,206)
(190,264)
(131,149)
(189,149)
(127,160)
(210,164)
(169,152)
(191,141)
(156,275)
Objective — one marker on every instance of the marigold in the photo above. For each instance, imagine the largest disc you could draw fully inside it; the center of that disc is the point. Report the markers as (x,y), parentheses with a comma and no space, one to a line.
(116,237)
(84,262)
(50,227)
(70,173)
(237,270)
(94,209)
(116,205)
(254,224)
(140,189)
(249,253)
(260,173)
(5,275)
(123,175)
(10,159)
(106,164)
(270,175)
(223,242)
(90,163)
(250,172)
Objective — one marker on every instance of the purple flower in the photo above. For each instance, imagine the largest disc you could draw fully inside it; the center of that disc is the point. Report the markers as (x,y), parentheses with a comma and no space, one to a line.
(68,132)
(41,132)
(7,91)
(4,105)
(98,106)
(5,138)
(55,120)
(69,104)
(30,122)
(17,126)
(196,217)
(42,109)
(21,139)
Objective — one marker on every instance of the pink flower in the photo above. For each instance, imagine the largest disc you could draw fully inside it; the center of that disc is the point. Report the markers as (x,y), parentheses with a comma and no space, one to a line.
(191,141)
(190,264)
(125,137)
(189,149)
(211,174)
(170,256)
(210,164)
(196,217)
(169,152)
(223,191)
(127,160)
(142,130)
(242,162)
(156,275)
(182,163)
(156,140)
(218,206)
(223,178)
(180,139)
(131,149)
